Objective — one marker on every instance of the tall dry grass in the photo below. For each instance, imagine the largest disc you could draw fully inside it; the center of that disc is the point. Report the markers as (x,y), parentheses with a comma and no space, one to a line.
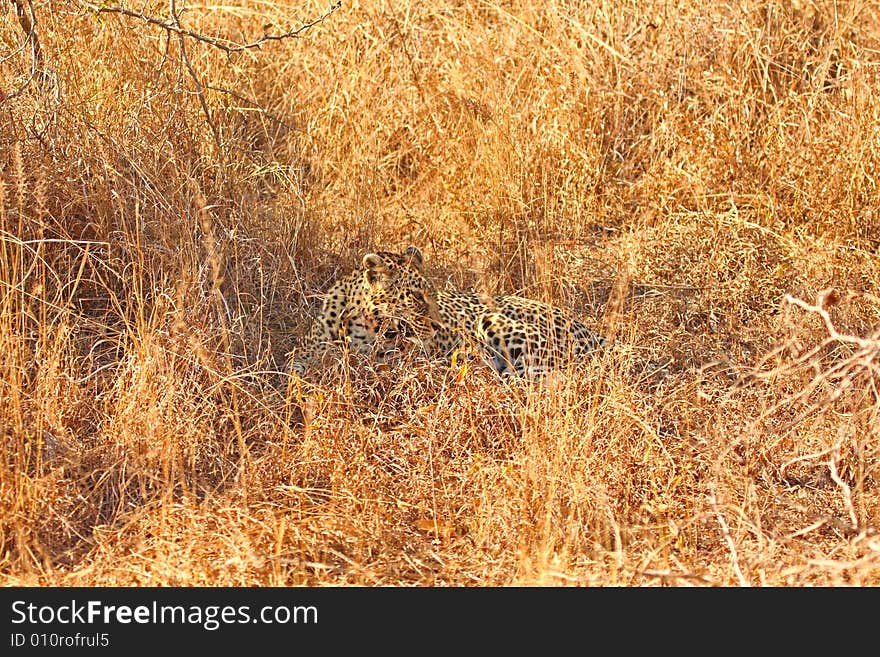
(688,177)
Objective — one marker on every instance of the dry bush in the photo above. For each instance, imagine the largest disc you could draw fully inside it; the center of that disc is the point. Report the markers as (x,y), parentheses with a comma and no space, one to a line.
(688,179)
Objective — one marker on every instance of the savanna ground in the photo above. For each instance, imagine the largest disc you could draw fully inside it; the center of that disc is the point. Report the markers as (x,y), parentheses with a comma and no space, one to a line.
(696,180)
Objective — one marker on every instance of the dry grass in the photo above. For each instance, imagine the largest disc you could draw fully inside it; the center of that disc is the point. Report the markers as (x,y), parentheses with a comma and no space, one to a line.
(670,171)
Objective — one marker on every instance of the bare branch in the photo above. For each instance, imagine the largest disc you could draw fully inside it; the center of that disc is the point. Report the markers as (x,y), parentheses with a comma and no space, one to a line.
(200,90)
(24,9)
(844,489)
(829,297)
(841,376)
(173,25)
(227,46)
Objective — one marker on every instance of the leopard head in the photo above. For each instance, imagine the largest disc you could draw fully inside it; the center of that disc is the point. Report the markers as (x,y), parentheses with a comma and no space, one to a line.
(399,292)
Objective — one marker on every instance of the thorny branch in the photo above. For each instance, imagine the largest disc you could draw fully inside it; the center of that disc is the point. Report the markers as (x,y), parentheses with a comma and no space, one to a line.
(227,46)
(172,25)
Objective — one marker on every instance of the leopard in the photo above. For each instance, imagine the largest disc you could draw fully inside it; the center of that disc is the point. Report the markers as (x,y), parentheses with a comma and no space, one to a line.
(386,301)
(390,298)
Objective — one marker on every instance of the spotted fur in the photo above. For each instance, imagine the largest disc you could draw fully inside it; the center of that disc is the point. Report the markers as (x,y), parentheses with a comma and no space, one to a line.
(390,296)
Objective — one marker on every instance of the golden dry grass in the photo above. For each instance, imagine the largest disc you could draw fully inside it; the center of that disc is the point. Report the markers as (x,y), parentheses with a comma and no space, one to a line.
(668,170)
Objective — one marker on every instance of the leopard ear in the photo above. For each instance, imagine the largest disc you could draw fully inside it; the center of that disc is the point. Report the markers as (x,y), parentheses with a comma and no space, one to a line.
(374,261)
(375,268)
(414,254)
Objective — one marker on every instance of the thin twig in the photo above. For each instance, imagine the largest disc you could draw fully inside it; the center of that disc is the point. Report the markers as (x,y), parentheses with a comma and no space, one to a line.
(841,376)
(227,46)
(844,487)
(200,90)
(826,297)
